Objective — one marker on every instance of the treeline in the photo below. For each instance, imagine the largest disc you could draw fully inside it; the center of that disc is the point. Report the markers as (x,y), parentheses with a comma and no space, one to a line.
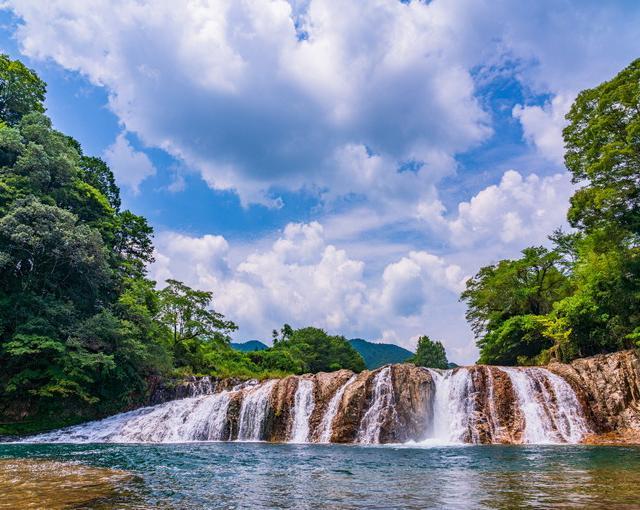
(582,296)
(82,328)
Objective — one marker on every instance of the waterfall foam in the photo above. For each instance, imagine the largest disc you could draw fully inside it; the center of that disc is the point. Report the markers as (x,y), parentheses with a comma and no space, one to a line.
(190,419)
(326,425)
(452,414)
(382,405)
(552,413)
(253,412)
(304,404)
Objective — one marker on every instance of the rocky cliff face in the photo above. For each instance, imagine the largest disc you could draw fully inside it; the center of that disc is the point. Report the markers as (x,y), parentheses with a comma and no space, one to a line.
(608,387)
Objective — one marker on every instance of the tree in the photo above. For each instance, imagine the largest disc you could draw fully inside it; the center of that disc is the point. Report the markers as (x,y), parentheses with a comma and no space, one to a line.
(526,287)
(320,351)
(602,143)
(430,354)
(186,313)
(21,91)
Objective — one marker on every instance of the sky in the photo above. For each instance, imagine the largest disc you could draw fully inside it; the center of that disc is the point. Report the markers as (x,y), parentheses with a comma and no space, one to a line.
(341,164)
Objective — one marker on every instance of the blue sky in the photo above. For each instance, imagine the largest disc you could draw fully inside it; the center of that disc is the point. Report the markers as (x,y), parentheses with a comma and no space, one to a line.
(351,178)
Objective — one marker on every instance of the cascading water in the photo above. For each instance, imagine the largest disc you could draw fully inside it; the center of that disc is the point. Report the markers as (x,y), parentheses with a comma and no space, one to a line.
(326,425)
(452,418)
(381,405)
(304,404)
(464,405)
(190,419)
(552,413)
(253,412)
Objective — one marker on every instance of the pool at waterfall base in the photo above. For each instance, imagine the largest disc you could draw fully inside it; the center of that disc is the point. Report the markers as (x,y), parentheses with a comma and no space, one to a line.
(222,475)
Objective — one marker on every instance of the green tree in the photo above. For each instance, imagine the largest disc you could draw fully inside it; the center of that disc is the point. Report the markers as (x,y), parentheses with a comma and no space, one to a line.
(430,354)
(21,91)
(602,143)
(526,287)
(319,351)
(186,314)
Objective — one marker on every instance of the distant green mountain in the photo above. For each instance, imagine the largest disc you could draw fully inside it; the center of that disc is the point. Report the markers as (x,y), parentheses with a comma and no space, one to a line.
(376,355)
(251,345)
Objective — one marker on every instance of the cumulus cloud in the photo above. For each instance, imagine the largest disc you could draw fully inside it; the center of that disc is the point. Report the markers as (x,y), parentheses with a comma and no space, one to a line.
(542,126)
(519,210)
(256,94)
(365,103)
(129,166)
(302,279)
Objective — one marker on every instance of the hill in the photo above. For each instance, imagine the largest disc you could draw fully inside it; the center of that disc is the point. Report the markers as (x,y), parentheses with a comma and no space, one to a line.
(376,355)
(250,345)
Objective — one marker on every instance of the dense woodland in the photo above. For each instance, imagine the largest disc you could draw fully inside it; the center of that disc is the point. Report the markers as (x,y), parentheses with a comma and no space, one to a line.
(83,329)
(582,296)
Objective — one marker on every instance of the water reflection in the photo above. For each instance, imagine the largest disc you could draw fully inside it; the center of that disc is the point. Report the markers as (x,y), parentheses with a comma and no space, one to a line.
(230,476)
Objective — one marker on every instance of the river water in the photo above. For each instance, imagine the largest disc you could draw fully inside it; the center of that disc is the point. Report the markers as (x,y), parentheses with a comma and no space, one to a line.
(263,475)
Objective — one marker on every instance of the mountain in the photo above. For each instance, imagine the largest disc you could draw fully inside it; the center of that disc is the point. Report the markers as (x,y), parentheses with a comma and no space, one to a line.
(250,345)
(376,355)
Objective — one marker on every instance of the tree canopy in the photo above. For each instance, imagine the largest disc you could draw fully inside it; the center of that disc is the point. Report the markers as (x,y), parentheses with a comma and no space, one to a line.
(430,354)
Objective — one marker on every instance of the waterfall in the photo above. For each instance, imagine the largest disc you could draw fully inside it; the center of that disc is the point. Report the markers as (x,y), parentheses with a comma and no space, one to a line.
(303,406)
(190,419)
(326,425)
(382,403)
(453,406)
(253,412)
(465,405)
(551,410)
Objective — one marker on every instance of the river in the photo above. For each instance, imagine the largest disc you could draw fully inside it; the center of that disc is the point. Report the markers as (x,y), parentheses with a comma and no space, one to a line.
(276,476)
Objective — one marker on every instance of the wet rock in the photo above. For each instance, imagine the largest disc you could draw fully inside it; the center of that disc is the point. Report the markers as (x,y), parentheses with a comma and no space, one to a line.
(326,386)
(608,386)
(497,417)
(354,405)
(414,390)
(279,420)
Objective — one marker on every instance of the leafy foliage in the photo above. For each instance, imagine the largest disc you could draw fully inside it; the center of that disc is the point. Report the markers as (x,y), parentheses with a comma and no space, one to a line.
(430,354)
(318,351)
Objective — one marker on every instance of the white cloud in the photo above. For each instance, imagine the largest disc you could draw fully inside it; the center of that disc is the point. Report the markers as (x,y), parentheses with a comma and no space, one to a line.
(129,166)
(333,97)
(233,90)
(518,211)
(543,125)
(304,280)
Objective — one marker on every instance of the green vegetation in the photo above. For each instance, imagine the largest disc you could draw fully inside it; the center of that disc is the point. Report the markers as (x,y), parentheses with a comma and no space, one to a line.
(582,297)
(376,355)
(430,354)
(82,329)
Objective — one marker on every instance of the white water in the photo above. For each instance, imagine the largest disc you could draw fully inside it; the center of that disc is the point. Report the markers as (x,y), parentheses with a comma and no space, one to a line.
(326,425)
(303,406)
(190,419)
(253,412)
(452,407)
(383,402)
(547,420)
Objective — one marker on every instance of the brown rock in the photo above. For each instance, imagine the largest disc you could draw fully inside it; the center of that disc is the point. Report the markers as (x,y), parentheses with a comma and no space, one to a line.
(608,386)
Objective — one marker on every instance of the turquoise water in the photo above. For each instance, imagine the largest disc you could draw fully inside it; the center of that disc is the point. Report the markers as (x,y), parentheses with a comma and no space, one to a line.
(262,475)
